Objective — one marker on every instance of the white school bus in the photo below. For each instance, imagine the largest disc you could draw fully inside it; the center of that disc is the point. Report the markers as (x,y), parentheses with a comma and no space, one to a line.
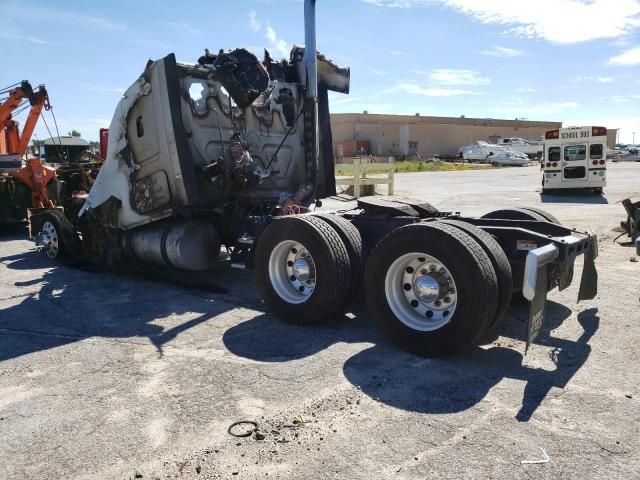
(575,157)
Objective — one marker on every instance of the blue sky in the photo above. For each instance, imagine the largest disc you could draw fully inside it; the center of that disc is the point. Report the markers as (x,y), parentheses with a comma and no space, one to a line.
(576,61)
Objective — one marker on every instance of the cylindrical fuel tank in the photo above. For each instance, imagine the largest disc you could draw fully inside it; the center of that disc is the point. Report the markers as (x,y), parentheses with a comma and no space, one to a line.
(184,244)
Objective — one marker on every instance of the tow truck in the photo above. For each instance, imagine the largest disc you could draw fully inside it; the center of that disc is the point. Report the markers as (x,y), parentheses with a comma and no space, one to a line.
(22,187)
(232,154)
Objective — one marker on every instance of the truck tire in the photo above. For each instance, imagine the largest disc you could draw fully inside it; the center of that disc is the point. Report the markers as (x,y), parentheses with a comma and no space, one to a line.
(546,215)
(55,226)
(431,287)
(352,240)
(302,269)
(500,264)
(526,213)
(514,214)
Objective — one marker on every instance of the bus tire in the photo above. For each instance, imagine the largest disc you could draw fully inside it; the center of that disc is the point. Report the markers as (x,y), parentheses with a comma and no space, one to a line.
(302,269)
(431,287)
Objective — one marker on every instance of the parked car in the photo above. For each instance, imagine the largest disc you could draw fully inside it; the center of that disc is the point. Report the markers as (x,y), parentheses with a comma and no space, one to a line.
(508,157)
(529,147)
(479,151)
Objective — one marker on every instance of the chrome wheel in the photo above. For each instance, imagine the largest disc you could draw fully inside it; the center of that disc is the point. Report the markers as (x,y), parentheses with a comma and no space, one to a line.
(292,271)
(50,240)
(421,292)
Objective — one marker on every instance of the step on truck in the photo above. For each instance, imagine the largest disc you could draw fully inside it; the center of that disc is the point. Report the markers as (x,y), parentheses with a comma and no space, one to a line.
(232,152)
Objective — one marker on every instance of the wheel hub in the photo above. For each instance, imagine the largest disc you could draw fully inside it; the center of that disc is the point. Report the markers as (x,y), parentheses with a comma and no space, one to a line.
(421,291)
(301,269)
(292,271)
(50,243)
(427,288)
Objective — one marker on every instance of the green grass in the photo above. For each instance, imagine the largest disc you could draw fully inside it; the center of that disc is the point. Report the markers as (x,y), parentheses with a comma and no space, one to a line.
(408,166)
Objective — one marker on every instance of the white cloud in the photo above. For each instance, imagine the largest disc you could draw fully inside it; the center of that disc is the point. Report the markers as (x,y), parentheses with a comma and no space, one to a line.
(499,51)
(447,76)
(25,38)
(630,57)
(254,23)
(624,98)
(24,14)
(181,27)
(277,44)
(377,72)
(413,89)
(538,110)
(592,79)
(557,21)
(526,90)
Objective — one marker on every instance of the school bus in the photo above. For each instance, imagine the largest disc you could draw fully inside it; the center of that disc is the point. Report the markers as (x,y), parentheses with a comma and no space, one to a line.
(575,157)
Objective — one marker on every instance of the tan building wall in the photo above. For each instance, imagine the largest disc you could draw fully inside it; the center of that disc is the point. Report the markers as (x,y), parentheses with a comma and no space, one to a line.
(426,136)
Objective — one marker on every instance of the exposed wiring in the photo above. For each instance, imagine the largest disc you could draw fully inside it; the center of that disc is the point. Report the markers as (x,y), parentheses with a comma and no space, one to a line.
(275,154)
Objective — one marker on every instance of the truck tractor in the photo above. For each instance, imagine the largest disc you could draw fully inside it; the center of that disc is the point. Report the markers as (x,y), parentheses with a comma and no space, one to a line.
(232,153)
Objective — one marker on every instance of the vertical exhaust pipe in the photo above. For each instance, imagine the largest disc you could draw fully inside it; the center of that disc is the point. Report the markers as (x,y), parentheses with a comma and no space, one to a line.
(310,60)
(310,56)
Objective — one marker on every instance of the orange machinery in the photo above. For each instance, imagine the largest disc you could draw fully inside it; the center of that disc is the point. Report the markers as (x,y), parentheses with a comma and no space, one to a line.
(34,175)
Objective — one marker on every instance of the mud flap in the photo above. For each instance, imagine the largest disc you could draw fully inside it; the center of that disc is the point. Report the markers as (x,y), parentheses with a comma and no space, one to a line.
(534,288)
(589,279)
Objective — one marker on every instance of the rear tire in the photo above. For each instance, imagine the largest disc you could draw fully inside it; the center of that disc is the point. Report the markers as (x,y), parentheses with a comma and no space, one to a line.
(302,269)
(54,229)
(546,215)
(431,287)
(514,214)
(500,264)
(352,240)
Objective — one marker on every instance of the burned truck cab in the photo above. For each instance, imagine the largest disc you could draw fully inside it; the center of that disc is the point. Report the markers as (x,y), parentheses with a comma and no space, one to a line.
(222,142)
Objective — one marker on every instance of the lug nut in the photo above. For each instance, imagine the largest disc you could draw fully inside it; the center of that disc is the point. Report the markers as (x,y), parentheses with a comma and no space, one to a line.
(438,303)
(447,300)
(432,268)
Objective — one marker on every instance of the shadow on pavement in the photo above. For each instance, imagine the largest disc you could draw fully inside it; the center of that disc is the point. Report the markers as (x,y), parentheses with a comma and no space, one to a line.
(422,385)
(573,196)
(66,305)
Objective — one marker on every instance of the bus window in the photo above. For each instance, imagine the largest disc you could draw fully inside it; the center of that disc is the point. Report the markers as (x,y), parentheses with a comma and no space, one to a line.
(595,151)
(575,152)
(554,154)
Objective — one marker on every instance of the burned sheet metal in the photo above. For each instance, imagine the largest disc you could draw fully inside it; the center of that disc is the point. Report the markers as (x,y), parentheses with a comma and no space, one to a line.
(240,72)
(226,130)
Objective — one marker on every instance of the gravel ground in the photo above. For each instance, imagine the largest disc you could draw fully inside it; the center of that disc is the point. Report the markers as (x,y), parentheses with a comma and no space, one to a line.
(105,376)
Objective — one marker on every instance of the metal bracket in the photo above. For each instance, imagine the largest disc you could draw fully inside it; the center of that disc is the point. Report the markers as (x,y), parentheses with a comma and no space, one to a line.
(534,287)
(589,279)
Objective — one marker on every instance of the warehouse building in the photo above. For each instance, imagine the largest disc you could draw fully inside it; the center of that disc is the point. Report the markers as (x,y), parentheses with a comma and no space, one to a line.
(424,136)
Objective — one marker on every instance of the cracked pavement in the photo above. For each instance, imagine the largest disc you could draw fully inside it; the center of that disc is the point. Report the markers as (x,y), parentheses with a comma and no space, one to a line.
(107,376)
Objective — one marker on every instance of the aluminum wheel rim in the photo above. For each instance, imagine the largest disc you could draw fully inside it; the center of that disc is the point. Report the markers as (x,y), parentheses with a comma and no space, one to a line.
(421,291)
(52,243)
(292,272)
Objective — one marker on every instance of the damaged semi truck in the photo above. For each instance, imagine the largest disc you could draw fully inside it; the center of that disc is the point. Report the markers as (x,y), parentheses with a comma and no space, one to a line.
(229,154)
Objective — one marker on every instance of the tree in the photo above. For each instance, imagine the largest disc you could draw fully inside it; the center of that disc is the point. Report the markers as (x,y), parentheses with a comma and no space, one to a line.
(74,133)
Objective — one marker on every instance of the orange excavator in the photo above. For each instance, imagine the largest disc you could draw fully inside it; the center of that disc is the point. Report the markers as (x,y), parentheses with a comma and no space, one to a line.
(14,146)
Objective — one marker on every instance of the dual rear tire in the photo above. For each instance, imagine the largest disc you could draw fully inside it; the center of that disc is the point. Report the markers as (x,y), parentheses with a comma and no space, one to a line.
(434,287)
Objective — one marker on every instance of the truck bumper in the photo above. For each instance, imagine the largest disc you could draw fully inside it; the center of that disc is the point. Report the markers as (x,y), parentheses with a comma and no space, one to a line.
(535,283)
